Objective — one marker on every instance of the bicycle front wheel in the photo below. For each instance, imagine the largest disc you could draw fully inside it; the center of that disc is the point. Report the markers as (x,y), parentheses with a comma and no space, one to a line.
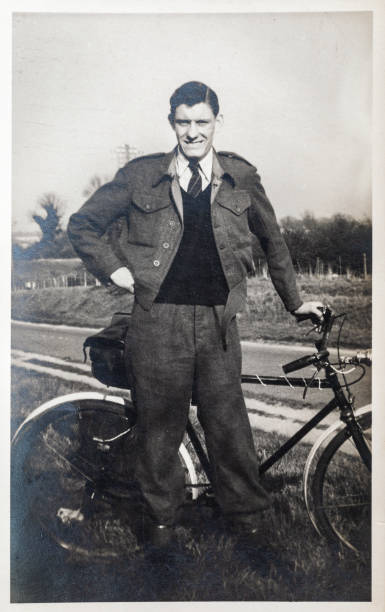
(338,492)
(72,472)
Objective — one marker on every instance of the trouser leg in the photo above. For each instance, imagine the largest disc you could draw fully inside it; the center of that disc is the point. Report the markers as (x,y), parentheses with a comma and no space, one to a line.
(161,347)
(223,415)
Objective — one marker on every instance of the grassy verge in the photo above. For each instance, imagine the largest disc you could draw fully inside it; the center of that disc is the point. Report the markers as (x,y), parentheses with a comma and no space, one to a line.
(40,269)
(263,319)
(206,564)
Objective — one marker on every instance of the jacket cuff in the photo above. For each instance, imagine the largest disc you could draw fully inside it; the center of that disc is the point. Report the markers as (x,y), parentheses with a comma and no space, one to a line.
(109,265)
(293,305)
(292,310)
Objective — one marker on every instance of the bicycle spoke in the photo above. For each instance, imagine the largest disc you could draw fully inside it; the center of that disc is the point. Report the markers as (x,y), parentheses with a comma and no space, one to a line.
(340,491)
(335,506)
(70,462)
(73,474)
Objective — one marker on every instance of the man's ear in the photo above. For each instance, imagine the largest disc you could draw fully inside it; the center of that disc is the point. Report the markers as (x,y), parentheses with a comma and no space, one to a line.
(171,121)
(219,121)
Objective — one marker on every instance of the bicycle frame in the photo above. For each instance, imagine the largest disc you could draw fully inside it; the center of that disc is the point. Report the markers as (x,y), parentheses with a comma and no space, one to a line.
(91,453)
(340,400)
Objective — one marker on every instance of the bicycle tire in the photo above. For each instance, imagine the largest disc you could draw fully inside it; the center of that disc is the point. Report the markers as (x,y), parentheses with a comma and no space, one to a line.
(338,493)
(72,472)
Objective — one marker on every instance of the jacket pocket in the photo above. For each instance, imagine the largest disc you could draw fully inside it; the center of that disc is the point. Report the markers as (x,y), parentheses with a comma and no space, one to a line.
(149,203)
(238,202)
(234,213)
(149,215)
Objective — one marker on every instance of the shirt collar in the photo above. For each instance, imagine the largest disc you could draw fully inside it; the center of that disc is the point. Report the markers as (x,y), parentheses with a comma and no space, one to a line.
(205,164)
(168,168)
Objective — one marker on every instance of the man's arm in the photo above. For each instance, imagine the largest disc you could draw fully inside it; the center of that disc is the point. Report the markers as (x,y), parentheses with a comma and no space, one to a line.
(263,223)
(87,229)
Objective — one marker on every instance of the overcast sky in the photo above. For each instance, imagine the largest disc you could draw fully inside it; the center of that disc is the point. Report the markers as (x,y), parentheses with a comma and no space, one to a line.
(294,89)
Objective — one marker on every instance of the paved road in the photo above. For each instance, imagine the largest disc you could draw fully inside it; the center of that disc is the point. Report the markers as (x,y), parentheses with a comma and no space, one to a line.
(66,343)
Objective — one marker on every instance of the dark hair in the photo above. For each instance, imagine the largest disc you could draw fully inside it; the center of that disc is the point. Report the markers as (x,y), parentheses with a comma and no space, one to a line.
(192,93)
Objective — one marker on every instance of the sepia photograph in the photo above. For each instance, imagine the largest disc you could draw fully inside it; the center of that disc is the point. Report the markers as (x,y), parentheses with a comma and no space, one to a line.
(191,307)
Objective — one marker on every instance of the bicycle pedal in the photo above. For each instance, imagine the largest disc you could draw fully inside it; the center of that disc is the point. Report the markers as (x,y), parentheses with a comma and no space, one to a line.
(68,515)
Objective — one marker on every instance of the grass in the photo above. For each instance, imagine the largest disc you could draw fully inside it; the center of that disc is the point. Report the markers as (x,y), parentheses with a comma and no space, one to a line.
(206,564)
(40,269)
(264,318)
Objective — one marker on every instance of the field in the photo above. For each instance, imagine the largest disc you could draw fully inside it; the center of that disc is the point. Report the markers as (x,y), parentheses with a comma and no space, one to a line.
(292,564)
(41,269)
(263,319)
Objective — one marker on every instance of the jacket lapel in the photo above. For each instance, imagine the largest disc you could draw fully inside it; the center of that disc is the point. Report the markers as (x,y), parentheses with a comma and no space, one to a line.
(177,196)
(217,177)
(168,171)
(218,186)
(222,183)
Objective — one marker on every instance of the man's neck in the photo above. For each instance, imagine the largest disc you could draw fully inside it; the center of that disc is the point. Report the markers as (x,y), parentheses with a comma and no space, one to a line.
(203,160)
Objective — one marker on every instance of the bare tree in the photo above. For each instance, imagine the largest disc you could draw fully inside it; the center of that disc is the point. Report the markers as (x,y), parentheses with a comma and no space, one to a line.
(50,222)
(95,182)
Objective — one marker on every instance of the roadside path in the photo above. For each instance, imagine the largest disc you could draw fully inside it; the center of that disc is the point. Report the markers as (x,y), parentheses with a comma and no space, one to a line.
(57,351)
(278,417)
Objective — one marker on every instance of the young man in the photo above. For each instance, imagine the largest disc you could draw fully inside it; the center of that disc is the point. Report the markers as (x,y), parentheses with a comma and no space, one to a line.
(184,250)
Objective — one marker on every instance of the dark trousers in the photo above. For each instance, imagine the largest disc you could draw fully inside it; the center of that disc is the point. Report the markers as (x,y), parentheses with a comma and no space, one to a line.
(171,346)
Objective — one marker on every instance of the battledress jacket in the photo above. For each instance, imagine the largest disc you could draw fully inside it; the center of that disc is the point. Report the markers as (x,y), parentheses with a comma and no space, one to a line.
(136,220)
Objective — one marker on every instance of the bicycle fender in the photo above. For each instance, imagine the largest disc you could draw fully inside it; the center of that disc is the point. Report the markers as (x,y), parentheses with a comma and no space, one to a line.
(334,428)
(62,399)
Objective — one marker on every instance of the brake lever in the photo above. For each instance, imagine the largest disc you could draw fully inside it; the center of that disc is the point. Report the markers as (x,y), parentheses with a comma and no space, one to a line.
(317,328)
(317,369)
(317,323)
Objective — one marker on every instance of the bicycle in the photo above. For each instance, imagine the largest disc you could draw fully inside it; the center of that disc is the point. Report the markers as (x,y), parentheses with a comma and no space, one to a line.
(73,456)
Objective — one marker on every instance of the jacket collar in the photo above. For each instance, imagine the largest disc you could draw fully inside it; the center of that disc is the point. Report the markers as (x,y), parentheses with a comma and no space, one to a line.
(167,169)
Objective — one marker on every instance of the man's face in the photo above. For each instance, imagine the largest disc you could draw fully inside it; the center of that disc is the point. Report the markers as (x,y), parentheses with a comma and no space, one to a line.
(194,128)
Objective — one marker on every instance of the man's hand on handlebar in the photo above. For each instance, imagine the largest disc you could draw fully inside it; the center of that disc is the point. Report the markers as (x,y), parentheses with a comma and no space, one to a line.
(310,310)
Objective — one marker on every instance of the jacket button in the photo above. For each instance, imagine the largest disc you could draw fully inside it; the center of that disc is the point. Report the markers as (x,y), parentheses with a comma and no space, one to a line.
(156,263)
(222,246)
(166,245)
(237,208)
(148,206)
(172,222)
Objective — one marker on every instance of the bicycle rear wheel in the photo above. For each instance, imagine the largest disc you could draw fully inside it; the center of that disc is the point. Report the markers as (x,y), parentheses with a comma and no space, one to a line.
(72,471)
(338,494)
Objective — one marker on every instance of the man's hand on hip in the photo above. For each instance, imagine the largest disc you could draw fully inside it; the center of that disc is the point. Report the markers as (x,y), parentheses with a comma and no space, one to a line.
(123,278)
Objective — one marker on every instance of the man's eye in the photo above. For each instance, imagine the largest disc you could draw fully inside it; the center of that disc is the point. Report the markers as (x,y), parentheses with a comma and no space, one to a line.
(183,123)
(202,122)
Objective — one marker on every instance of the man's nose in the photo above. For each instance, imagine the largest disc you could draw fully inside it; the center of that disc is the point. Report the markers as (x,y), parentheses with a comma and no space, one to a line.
(192,131)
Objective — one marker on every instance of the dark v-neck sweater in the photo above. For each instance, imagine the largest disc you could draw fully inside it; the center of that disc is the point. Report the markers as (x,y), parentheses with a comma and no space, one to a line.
(195,275)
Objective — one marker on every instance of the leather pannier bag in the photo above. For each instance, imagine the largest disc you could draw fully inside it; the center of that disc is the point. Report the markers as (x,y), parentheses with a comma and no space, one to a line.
(108,352)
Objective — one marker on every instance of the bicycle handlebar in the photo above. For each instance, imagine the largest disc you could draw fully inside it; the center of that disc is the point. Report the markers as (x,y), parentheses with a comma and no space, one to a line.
(303,362)
(361,358)
(305,317)
(324,327)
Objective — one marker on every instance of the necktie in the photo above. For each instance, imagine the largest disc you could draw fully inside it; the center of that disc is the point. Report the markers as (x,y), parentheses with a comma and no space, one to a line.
(195,184)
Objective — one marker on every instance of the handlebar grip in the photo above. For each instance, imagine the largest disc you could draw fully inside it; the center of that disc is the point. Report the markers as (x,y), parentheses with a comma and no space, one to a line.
(298,364)
(365,358)
(325,311)
(366,361)
(306,317)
